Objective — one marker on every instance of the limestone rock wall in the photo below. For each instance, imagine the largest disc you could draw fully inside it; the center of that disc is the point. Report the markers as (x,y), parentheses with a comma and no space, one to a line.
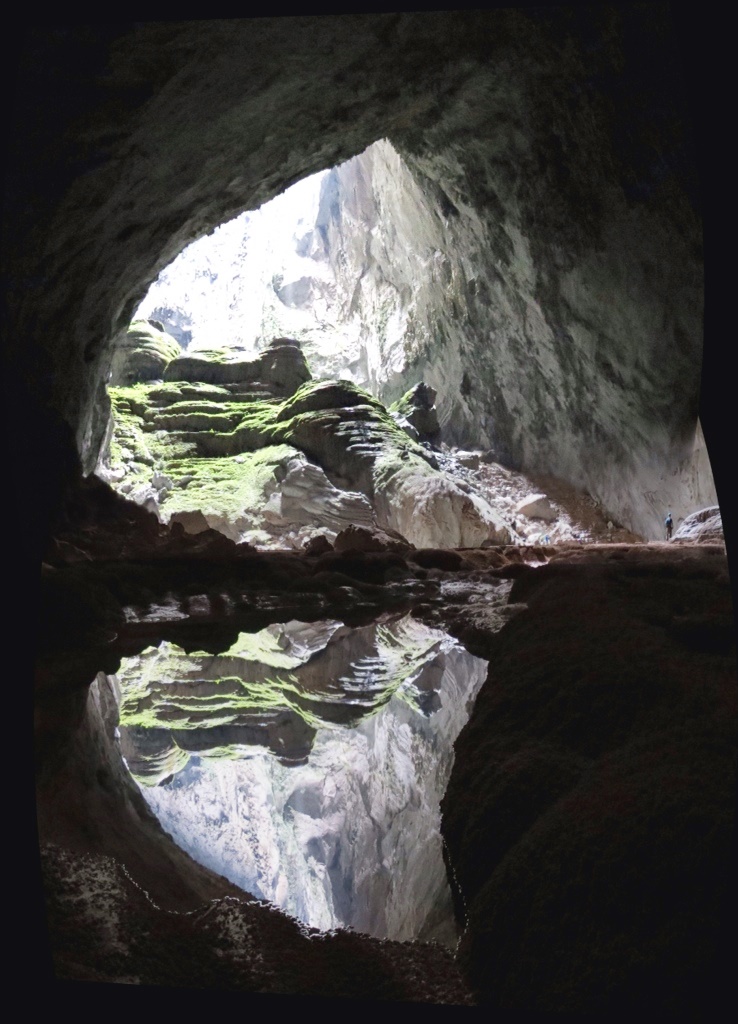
(547,344)
(231,456)
(553,143)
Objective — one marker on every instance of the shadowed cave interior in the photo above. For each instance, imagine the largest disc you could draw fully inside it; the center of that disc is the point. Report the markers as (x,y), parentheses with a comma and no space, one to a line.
(522,314)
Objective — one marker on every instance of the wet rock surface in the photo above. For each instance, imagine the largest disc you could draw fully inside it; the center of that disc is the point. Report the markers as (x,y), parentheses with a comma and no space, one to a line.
(587,778)
(336,822)
(591,795)
(106,928)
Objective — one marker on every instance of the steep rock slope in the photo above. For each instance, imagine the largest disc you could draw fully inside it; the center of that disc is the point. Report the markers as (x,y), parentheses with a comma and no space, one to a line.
(388,279)
(499,310)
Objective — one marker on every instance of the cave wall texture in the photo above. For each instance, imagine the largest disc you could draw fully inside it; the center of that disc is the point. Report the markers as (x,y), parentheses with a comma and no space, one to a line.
(552,149)
(561,229)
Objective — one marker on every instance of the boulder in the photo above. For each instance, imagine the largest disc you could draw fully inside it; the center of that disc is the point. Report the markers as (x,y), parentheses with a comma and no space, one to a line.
(536,506)
(318,545)
(191,520)
(471,460)
(143,354)
(432,511)
(358,538)
(284,366)
(417,407)
(702,527)
(306,497)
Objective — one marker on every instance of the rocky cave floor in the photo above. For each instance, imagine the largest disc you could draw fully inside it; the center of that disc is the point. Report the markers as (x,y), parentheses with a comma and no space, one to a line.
(587,823)
(575,515)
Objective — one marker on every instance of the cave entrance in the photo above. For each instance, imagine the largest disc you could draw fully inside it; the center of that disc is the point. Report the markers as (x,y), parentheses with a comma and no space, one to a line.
(307,763)
(340,279)
(320,263)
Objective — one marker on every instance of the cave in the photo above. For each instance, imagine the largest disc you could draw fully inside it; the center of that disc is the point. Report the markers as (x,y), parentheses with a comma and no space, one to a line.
(551,291)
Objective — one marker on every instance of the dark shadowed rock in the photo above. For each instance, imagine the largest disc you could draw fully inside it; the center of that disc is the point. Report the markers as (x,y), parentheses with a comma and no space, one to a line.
(417,406)
(317,545)
(544,272)
(358,538)
(584,805)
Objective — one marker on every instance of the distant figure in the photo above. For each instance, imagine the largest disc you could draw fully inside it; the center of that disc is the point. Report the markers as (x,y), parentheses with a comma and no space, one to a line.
(669,524)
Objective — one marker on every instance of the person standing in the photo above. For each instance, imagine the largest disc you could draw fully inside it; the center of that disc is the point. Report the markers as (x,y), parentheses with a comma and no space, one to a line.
(669,524)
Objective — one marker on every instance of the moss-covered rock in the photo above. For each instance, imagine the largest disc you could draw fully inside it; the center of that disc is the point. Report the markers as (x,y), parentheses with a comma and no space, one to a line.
(327,394)
(271,690)
(417,408)
(231,493)
(281,368)
(180,447)
(143,354)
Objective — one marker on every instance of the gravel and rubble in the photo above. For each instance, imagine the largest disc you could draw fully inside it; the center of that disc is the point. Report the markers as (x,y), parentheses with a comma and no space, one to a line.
(580,517)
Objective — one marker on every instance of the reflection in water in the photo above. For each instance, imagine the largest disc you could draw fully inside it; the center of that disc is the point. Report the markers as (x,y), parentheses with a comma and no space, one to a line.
(307,763)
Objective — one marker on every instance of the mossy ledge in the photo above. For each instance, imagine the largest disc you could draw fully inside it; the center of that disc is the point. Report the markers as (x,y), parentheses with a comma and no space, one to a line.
(143,354)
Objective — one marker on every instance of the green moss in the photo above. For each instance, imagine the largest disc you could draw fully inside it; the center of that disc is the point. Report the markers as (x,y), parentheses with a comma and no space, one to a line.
(161,765)
(164,689)
(142,337)
(234,487)
(144,354)
(250,684)
(317,395)
(262,647)
(403,405)
(227,450)
(177,391)
(129,447)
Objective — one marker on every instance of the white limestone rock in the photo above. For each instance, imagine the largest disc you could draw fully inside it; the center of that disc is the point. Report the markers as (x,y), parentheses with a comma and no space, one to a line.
(471,460)
(431,510)
(308,498)
(193,521)
(536,506)
(702,527)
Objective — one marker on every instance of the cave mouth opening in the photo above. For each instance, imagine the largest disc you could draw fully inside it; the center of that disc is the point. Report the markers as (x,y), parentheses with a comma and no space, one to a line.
(351,278)
(308,761)
(294,268)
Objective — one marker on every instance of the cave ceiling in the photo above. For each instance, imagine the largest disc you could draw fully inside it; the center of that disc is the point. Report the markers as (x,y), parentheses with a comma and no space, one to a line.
(552,151)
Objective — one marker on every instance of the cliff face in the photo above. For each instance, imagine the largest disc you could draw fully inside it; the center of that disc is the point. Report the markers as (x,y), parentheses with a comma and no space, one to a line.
(494,303)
